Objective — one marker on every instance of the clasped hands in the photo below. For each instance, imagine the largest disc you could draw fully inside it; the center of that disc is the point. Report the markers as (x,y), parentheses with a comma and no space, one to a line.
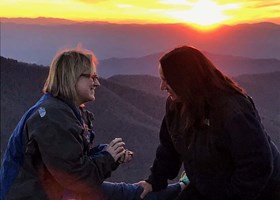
(117,150)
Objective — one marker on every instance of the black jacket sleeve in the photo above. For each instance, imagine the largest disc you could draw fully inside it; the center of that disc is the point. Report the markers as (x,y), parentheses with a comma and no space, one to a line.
(167,162)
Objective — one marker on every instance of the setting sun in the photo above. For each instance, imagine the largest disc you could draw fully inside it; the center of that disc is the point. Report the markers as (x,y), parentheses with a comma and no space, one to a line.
(203,14)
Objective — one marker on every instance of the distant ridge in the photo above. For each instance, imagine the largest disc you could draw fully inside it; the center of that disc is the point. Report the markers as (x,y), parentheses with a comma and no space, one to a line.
(148,65)
(49,20)
(33,43)
(38,21)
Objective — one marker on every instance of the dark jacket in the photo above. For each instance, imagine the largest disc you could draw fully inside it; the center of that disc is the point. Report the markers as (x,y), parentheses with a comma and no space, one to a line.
(57,155)
(229,156)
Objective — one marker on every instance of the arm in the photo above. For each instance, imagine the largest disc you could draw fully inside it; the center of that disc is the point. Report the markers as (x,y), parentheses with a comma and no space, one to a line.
(167,162)
(252,156)
(62,150)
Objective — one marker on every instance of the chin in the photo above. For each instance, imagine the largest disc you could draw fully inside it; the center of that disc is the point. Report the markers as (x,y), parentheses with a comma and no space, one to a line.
(173,98)
(91,98)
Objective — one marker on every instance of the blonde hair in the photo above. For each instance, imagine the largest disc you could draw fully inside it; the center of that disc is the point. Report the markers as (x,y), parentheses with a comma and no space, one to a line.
(65,69)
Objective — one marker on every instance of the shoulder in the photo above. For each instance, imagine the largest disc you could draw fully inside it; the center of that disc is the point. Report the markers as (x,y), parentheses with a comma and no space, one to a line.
(57,108)
(54,104)
(53,112)
(237,114)
(231,105)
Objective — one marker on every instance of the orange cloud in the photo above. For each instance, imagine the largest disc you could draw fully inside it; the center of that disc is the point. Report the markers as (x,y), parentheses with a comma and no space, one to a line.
(267,4)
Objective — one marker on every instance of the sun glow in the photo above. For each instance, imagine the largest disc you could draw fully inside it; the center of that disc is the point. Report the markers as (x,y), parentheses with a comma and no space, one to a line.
(201,14)
(204,14)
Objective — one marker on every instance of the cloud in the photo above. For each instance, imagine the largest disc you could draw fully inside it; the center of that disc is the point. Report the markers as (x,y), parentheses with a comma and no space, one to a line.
(124,6)
(261,4)
(145,4)
(175,2)
(92,1)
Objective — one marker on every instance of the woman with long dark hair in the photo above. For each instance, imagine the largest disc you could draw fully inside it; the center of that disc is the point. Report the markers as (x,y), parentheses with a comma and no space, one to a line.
(211,126)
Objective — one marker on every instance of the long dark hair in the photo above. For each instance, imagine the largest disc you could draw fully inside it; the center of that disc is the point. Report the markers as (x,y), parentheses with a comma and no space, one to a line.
(196,81)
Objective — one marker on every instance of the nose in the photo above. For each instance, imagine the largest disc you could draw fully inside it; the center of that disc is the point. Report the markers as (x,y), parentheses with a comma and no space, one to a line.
(96,82)
(163,85)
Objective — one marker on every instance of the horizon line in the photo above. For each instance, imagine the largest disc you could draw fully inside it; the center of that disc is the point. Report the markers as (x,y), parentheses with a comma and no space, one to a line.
(127,22)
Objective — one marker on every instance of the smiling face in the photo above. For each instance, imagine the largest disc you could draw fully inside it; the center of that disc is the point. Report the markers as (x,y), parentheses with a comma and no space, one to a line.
(85,87)
(165,86)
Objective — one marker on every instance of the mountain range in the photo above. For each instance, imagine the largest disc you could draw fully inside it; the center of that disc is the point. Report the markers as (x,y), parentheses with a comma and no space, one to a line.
(38,40)
(230,65)
(127,106)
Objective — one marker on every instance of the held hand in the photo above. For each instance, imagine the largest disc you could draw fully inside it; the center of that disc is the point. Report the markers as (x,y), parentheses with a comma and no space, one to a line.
(147,188)
(116,148)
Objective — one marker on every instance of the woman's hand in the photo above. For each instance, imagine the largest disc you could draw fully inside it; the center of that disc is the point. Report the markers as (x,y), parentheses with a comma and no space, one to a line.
(126,157)
(147,188)
(116,148)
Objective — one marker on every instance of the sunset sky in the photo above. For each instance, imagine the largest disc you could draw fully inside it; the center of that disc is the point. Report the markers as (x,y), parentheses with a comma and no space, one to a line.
(201,12)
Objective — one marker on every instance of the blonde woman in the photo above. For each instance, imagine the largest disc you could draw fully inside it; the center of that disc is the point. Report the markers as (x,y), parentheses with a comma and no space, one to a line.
(50,150)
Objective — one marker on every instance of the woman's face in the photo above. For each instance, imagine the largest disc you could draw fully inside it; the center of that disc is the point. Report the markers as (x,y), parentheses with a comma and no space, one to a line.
(85,87)
(164,86)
